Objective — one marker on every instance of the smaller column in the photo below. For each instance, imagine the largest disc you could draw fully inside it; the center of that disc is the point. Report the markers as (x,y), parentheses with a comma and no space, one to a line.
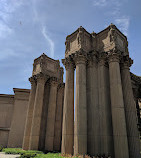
(117,106)
(28,125)
(59,117)
(80,124)
(51,115)
(68,109)
(37,113)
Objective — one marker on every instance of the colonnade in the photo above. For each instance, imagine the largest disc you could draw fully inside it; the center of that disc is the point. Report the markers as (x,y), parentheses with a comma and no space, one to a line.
(105,113)
(41,118)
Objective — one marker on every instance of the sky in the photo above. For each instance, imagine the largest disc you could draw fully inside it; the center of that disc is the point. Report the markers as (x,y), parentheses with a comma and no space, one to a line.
(29,28)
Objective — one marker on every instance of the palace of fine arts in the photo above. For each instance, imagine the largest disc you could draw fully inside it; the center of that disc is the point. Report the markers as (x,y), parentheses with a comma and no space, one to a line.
(98,114)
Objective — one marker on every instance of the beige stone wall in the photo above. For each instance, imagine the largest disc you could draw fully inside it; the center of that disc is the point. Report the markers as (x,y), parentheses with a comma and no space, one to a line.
(13,109)
(18,118)
(6,111)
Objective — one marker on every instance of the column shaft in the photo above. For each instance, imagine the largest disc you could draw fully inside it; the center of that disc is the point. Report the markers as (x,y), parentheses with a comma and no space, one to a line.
(93,143)
(59,118)
(118,112)
(28,125)
(130,113)
(80,125)
(68,110)
(105,132)
(51,116)
(37,114)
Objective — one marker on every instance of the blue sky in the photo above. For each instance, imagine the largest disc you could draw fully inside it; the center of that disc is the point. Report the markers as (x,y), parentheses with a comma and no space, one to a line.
(30,27)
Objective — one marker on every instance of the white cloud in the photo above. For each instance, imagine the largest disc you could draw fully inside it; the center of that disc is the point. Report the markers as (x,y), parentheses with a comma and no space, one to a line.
(4,30)
(103,3)
(123,24)
(49,40)
(100,3)
(6,8)
(7,54)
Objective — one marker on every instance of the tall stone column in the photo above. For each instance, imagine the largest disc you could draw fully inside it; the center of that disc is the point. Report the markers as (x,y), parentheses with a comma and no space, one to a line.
(28,124)
(93,128)
(59,117)
(51,115)
(80,125)
(68,109)
(130,111)
(37,113)
(117,106)
(105,132)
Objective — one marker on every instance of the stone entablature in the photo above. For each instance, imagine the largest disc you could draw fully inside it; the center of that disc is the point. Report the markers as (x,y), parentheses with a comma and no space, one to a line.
(103,41)
(47,66)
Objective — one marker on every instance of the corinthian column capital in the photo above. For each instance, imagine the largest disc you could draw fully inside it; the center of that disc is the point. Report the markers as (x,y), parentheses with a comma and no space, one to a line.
(32,80)
(126,62)
(41,78)
(102,59)
(114,55)
(80,57)
(53,81)
(92,58)
(68,62)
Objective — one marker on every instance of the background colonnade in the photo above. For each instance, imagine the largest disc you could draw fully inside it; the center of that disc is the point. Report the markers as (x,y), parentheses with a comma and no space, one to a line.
(44,118)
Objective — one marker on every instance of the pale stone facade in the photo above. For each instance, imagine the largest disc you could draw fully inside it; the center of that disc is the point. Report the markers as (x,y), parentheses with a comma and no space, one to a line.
(105,107)
(106,117)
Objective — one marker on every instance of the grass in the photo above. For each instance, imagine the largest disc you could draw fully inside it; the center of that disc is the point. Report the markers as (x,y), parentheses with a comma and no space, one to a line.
(37,154)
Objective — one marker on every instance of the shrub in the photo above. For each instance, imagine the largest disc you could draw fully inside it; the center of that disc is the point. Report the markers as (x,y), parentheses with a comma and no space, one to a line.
(13,151)
(1,148)
(28,155)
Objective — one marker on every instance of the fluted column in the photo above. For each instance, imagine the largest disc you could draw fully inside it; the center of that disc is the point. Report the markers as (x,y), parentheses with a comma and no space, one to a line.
(80,125)
(28,124)
(93,129)
(51,115)
(37,113)
(68,109)
(117,106)
(105,132)
(130,110)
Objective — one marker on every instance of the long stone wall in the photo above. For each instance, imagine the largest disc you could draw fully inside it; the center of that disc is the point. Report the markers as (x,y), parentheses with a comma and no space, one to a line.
(6,111)
(13,110)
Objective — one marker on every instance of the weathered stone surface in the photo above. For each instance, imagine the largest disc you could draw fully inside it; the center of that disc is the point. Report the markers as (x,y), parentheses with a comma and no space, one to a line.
(68,109)
(16,133)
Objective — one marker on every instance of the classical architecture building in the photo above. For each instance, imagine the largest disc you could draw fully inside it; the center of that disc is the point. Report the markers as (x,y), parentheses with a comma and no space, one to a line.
(105,106)
(106,116)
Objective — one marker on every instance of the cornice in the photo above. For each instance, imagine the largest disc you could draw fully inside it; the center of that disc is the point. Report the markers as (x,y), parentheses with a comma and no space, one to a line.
(135,78)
